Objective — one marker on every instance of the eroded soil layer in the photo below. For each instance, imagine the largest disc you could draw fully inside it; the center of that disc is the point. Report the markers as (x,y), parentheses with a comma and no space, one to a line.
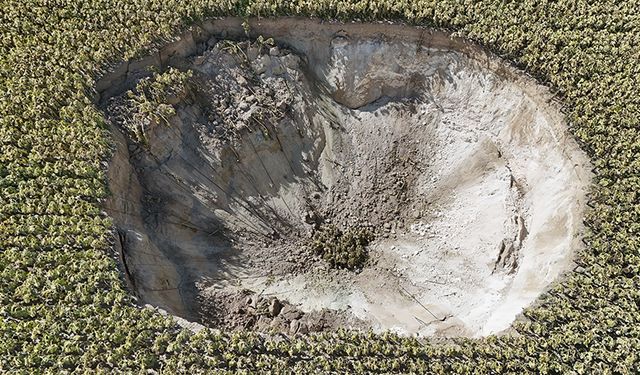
(462,168)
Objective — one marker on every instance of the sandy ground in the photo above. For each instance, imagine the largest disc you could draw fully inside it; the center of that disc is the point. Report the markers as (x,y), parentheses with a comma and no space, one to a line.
(462,166)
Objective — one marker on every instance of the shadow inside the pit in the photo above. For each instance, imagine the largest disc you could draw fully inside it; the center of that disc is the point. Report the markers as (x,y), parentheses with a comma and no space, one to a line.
(202,249)
(163,250)
(189,206)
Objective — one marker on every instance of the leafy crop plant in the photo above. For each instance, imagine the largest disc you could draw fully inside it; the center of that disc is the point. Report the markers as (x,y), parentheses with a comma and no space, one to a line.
(64,307)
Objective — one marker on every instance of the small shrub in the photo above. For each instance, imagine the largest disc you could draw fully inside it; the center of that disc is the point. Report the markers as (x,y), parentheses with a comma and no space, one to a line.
(342,249)
(153,99)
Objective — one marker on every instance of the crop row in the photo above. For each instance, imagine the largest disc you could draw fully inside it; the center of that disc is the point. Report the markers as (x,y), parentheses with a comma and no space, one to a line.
(64,307)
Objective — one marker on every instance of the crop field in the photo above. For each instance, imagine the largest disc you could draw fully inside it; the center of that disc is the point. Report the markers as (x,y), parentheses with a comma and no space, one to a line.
(66,304)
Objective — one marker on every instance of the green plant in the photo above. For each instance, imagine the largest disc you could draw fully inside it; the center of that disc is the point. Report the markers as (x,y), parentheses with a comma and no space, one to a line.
(342,249)
(153,98)
(64,308)
(265,43)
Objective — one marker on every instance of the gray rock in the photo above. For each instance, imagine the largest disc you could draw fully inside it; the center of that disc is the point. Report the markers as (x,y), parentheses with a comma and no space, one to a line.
(262,64)
(278,69)
(212,42)
(294,327)
(278,323)
(252,53)
(291,313)
(275,307)
(290,61)
(241,81)
(302,328)
(243,106)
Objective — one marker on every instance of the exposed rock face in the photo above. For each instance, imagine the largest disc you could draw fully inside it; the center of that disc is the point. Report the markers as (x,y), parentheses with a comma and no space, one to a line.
(460,166)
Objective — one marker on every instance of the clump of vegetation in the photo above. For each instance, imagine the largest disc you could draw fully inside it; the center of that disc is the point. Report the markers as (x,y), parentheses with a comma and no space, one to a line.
(240,48)
(153,99)
(63,305)
(342,249)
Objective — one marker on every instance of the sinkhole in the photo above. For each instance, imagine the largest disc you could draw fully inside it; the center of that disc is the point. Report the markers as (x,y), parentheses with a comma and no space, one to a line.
(249,168)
